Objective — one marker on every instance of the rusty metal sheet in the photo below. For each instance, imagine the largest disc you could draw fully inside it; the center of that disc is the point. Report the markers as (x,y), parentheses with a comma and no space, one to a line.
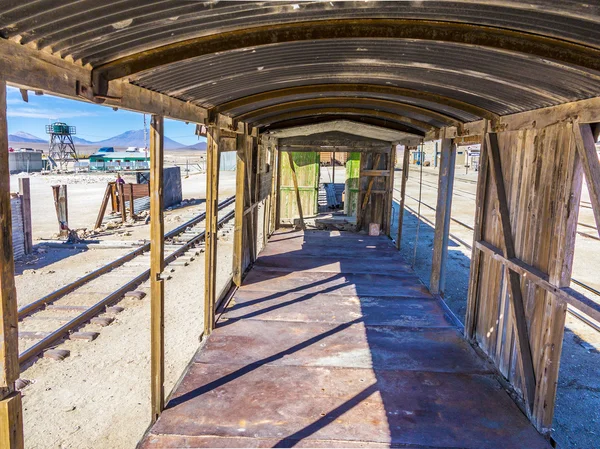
(282,405)
(332,264)
(345,284)
(325,308)
(350,344)
(297,361)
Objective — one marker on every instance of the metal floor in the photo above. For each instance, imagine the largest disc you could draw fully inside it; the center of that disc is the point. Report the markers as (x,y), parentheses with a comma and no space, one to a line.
(333,341)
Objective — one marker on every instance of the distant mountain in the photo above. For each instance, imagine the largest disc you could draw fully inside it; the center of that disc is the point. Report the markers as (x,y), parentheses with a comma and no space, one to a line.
(80,141)
(201,146)
(21,136)
(135,139)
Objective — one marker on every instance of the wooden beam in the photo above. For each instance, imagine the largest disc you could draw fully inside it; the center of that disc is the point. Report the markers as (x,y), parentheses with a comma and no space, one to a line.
(367,103)
(344,112)
(375,172)
(278,189)
(515,294)
(295,180)
(25,192)
(405,170)
(327,148)
(387,223)
(157,261)
(250,199)
(212,200)
(479,223)
(240,194)
(367,89)
(586,149)
(41,71)
(376,160)
(104,205)
(62,209)
(11,414)
(442,217)
(541,279)
(503,39)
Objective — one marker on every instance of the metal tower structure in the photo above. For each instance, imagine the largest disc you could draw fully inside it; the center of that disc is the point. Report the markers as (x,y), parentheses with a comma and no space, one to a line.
(62,148)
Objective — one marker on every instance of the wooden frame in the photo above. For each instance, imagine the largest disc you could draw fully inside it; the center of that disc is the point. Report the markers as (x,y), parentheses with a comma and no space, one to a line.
(212,199)
(405,170)
(515,294)
(157,261)
(442,217)
(11,413)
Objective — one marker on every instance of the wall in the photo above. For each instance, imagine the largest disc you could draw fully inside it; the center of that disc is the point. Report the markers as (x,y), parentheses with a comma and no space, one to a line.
(542,184)
(24,162)
(307,172)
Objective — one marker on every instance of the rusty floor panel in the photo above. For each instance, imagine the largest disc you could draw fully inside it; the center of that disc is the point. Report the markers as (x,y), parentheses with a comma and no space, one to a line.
(358,354)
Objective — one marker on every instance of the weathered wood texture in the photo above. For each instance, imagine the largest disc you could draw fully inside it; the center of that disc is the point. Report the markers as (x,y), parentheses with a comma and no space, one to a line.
(373,199)
(11,420)
(212,199)
(405,170)
(538,171)
(157,261)
(240,203)
(306,166)
(442,217)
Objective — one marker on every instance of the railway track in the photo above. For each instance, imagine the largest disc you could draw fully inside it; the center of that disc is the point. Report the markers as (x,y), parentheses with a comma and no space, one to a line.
(44,323)
(573,311)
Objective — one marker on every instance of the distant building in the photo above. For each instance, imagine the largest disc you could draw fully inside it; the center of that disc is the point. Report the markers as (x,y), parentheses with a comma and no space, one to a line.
(119,161)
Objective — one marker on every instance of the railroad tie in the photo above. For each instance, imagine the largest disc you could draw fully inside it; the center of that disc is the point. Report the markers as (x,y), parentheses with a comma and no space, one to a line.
(57,354)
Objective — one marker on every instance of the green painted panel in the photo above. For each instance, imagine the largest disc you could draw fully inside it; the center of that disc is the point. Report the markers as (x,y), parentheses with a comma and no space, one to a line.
(307,172)
(352,183)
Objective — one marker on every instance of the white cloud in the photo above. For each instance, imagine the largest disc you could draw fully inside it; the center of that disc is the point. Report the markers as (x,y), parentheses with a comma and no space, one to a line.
(30,112)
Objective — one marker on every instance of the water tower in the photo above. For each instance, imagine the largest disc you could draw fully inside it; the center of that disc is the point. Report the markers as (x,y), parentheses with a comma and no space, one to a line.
(62,148)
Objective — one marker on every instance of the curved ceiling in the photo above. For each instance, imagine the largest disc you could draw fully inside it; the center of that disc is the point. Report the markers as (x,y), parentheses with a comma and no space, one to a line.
(464,59)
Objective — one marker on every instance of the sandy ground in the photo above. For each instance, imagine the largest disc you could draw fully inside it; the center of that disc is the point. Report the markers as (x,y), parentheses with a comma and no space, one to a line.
(577,414)
(99,397)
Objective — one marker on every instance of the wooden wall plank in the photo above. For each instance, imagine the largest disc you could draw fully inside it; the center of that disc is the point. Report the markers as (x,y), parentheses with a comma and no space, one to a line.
(586,145)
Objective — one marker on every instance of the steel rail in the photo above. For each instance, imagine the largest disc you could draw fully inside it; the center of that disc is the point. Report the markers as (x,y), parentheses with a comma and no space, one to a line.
(97,308)
(57,294)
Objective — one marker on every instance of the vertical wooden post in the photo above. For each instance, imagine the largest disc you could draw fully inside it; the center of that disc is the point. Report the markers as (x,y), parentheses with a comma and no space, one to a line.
(157,261)
(405,169)
(113,197)
(122,202)
(295,180)
(472,298)
(389,198)
(11,415)
(442,217)
(278,188)
(131,205)
(250,222)
(274,189)
(212,198)
(333,165)
(25,192)
(240,195)
(62,209)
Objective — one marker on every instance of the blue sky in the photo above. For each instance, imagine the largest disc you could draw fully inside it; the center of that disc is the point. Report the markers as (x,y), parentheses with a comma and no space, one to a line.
(93,122)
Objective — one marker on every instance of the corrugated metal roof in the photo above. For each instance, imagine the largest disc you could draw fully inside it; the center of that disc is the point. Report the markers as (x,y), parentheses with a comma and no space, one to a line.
(101,31)
(495,80)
